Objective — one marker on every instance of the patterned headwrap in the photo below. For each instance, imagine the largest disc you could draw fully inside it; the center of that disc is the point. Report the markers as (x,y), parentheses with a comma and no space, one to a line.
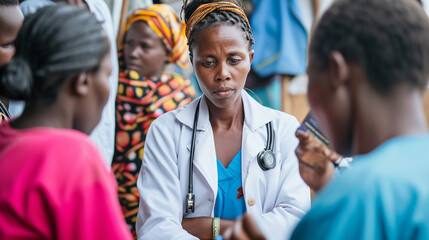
(202,11)
(162,19)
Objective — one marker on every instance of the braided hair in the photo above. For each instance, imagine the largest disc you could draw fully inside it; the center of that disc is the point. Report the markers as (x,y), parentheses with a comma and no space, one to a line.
(55,44)
(9,3)
(216,18)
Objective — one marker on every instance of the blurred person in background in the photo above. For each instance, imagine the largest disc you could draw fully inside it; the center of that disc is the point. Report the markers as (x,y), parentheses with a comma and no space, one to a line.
(11,19)
(104,134)
(154,37)
(53,181)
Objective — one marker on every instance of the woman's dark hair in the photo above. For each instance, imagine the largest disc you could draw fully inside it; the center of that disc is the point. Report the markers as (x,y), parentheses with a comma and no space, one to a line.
(8,3)
(55,44)
(216,18)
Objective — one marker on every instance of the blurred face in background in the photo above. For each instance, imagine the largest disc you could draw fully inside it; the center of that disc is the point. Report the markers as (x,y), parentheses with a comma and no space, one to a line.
(144,51)
(11,19)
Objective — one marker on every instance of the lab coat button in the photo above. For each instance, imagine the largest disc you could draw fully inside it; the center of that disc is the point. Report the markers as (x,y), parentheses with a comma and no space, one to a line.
(251,201)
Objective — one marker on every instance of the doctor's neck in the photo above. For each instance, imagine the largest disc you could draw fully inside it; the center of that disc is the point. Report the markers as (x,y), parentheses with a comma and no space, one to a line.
(226,117)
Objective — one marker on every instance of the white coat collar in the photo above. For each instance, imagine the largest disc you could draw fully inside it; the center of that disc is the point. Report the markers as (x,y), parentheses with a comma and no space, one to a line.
(255,115)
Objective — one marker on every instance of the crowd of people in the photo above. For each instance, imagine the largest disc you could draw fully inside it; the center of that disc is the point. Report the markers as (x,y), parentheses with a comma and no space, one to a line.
(103,143)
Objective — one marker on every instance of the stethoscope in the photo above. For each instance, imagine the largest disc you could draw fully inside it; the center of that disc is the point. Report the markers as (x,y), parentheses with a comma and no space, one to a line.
(266,158)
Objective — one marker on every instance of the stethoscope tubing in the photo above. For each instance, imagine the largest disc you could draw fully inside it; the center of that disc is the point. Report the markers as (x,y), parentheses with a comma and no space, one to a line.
(190,204)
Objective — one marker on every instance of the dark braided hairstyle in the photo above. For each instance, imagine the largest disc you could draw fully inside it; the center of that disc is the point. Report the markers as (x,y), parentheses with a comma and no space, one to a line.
(55,44)
(9,3)
(216,18)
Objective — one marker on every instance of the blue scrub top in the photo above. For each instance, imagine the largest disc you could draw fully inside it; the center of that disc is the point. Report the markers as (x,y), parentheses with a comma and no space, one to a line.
(384,195)
(230,202)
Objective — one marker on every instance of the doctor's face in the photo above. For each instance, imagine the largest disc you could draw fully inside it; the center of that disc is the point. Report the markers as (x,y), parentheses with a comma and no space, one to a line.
(221,61)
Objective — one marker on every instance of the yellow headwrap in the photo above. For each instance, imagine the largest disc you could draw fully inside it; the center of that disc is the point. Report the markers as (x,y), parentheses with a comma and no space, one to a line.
(203,10)
(162,19)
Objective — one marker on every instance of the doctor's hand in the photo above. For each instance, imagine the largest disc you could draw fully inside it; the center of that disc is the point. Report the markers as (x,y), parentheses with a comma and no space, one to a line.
(315,161)
(244,228)
(202,227)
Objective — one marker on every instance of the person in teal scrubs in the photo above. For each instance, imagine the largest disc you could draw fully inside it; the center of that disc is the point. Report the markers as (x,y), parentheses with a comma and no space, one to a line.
(368,67)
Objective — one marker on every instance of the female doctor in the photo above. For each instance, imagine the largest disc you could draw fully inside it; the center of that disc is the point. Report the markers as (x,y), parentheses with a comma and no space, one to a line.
(239,153)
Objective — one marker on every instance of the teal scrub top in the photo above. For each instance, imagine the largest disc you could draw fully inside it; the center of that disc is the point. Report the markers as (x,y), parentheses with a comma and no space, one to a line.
(384,195)
(230,202)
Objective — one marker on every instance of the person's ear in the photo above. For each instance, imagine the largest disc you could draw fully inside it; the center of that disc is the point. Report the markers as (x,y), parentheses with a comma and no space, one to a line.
(338,69)
(251,55)
(81,84)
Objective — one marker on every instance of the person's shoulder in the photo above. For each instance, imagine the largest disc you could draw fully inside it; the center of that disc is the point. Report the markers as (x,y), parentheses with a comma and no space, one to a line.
(362,183)
(286,117)
(277,115)
(399,163)
(44,135)
(65,142)
(73,152)
(60,137)
(346,194)
(395,156)
(64,150)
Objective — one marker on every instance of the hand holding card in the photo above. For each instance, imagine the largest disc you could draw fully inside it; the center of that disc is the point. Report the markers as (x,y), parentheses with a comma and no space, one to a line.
(314,155)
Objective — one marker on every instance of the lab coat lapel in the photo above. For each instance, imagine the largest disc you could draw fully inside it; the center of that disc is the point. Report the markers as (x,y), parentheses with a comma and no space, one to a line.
(187,113)
(252,144)
(205,153)
(205,158)
(256,116)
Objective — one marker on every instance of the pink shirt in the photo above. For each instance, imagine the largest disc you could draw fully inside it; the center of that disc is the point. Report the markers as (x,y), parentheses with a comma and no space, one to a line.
(54,185)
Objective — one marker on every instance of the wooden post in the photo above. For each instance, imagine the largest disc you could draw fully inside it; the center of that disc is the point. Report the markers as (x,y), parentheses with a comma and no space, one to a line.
(426,105)
(122,22)
(295,105)
(316,7)
(286,97)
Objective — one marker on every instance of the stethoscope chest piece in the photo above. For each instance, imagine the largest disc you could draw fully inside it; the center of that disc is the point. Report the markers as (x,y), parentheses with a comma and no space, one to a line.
(266,160)
(266,157)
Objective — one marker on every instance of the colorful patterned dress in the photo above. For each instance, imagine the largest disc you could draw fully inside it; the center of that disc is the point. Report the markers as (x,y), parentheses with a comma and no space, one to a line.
(138,103)
(140,100)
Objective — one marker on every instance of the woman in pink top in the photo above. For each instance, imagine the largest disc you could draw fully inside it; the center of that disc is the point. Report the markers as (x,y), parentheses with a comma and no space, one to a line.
(53,184)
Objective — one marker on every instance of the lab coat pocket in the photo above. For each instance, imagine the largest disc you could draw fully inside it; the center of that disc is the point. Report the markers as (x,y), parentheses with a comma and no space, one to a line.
(261,187)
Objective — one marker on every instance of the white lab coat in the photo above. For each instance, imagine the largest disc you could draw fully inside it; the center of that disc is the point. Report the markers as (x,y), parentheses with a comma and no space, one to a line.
(278,198)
